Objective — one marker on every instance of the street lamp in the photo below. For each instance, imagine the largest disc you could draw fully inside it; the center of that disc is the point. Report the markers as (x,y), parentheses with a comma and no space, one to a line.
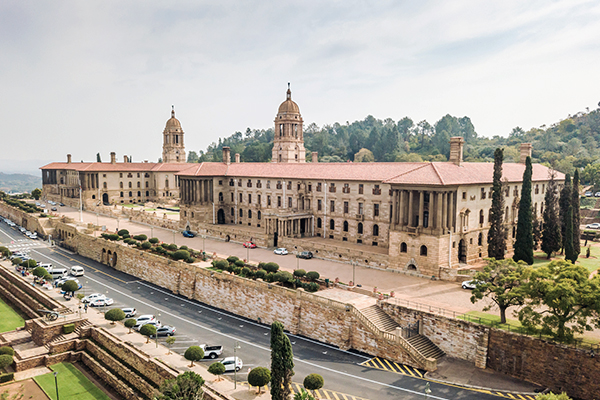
(248,252)
(56,384)
(354,272)
(156,335)
(235,347)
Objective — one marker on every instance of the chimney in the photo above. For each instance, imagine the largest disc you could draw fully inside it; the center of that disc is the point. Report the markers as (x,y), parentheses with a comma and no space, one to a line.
(525,152)
(125,159)
(113,157)
(237,157)
(456,149)
(68,159)
(226,155)
(315,156)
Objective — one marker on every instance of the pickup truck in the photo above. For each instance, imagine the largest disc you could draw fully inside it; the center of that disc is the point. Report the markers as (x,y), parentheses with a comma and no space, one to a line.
(211,351)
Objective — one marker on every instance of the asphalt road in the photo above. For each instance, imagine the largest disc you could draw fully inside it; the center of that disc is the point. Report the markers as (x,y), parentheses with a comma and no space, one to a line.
(198,323)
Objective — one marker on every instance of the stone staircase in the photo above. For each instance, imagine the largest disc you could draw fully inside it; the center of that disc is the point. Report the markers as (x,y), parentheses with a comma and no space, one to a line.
(378,317)
(426,347)
(85,323)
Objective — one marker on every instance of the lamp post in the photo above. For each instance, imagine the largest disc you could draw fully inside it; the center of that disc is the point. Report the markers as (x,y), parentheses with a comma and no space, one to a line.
(203,243)
(248,253)
(156,335)
(235,347)
(354,272)
(56,384)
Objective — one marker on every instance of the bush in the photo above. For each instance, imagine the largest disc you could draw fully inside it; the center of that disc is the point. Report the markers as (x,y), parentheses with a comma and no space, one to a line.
(261,265)
(260,274)
(130,323)
(126,236)
(5,360)
(190,260)
(184,248)
(181,255)
(153,240)
(271,267)
(312,275)
(112,236)
(259,377)
(283,277)
(123,232)
(148,330)
(270,277)
(7,377)
(70,286)
(172,247)
(221,264)
(146,245)
(5,251)
(16,261)
(39,272)
(246,271)
(29,264)
(216,369)
(232,259)
(7,350)
(115,314)
(299,273)
(68,328)
(42,215)
(311,287)
(141,238)
(313,382)
(128,241)
(239,263)
(194,353)
(236,270)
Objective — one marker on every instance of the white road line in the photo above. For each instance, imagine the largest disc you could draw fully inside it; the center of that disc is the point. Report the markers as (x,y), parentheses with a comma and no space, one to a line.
(258,346)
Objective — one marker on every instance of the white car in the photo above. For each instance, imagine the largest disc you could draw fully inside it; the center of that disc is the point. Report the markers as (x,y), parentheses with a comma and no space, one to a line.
(100,302)
(281,251)
(597,194)
(472,284)
(589,194)
(129,312)
(92,297)
(60,282)
(595,225)
(139,325)
(145,318)
(231,364)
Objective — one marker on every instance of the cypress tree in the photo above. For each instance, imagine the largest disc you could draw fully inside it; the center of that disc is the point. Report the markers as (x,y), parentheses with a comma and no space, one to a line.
(568,239)
(563,206)
(537,230)
(282,363)
(576,216)
(551,239)
(497,233)
(524,239)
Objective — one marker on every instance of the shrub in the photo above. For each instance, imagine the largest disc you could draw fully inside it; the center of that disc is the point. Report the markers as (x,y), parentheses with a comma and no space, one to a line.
(299,273)
(313,382)
(236,270)
(190,260)
(221,264)
(115,314)
(261,265)
(153,240)
(184,248)
(260,274)
(232,259)
(259,377)
(16,261)
(246,271)
(112,236)
(42,215)
(29,264)
(126,236)
(5,360)
(270,277)
(313,275)
(141,238)
(283,277)
(39,272)
(123,232)
(127,241)
(68,328)
(70,286)
(181,255)
(4,251)
(194,353)
(311,287)
(271,267)
(146,245)
(172,247)
(239,263)
(130,323)
(7,350)
(216,369)
(7,377)
(148,330)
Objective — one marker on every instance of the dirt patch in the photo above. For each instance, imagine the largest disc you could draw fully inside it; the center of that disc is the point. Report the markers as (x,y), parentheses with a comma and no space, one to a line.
(27,388)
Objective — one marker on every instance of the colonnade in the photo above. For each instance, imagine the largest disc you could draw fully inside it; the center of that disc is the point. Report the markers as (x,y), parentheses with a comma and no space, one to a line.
(196,191)
(412,211)
(291,227)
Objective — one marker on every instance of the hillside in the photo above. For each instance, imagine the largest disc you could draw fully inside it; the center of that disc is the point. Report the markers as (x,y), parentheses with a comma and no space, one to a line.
(15,183)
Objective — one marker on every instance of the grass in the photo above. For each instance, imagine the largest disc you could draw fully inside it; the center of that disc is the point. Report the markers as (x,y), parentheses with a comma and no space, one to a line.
(150,209)
(172,213)
(489,319)
(72,384)
(591,264)
(10,319)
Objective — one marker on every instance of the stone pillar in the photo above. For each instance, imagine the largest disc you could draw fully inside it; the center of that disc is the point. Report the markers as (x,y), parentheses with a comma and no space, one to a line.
(395,209)
(451,211)
(401,208)
(410,207)
(438,214)
(445,212)
(421,206)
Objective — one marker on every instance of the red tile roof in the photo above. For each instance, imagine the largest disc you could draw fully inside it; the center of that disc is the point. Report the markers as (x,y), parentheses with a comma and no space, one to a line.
(117,167)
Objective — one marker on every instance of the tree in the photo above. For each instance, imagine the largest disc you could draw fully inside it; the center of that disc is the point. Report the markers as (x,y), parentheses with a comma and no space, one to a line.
(71,286)
(259,377)
(282,363)
(5,360)
(148,330)
(576,216)
(364,155)
(36,193)
(537,230)
(313,382)
(194,353)
(115,314)
(130,323)
(39,272)
(524,238)
(7,350)
(98,158)
(568,239)
(552,396)
(502,282)
(563,207)
(192,157)
(170,341)
(16,261)
(217,369)
(303,395)
(497,233)
(187,386)
(551,239)
(562,299)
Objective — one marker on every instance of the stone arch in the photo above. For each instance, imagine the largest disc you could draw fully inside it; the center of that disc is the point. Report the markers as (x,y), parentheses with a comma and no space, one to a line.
(423,250)
(103,256)
(114,259)
(108,257)
(411,265)
(403,247)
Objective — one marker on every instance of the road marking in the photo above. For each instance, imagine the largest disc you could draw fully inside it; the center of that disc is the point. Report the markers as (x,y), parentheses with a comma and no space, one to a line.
(382,363)
(321,393)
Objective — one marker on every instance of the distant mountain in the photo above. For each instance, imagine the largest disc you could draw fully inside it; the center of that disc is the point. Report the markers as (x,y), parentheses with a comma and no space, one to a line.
(12,183)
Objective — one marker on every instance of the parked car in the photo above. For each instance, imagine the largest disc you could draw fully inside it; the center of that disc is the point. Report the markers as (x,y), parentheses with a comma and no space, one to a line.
(188,234)
(597,194)
(595,225)
(61,281)
(211,351)
(281,251)
(92,297)
(145,318)
(589,194)
(77,270)
(232,363)
(61,204)
(100,302)
(472,284)
(165,330)
(54,209)
(305,254)
(249,245)
(129,312)
(156,323)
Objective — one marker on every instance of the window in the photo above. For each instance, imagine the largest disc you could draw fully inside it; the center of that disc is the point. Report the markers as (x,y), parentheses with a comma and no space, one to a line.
(331,224)
(289,202)
(121,185)
(507,192)
(481,216)
(346,188)
(345,207)
(258,184)
(278,201)
(192,214)
(147,183)
(258,215)
(104,185)
(376,190)
(130,194)
(268,184)
(319,222)
(249,198)
(139,184)
(139,194)
(376,210)
(464,195)
(220,182)
(104,175)
(138,174)
(345,226)
(241,213)
(516,192)
(268,201)
(239,182)
(332,188)
(319,186)
(220,196)
(537,189)
(483,193)
(231,182)
(375,230)
(130,175)
(360,228)
(543,188)
(166,183)
(403,247)
(361,209)
(480,239)
(332,206)
(361,188)
(120,174)
(309,188)
(185,213)
(319,205)
(249,214)
(232,212)
(232,197)
(289,185)
(258,201)
(278,186)
(129,185)
(241,197)
(121,194)
(147,193)
(249,184)
(423,251)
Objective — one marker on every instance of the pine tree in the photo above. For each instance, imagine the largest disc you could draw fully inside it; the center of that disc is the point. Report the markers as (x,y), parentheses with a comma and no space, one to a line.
(551,239)
(568,239)
(497,233)
(563,206)
(524,239)
(576,216)
(282,363)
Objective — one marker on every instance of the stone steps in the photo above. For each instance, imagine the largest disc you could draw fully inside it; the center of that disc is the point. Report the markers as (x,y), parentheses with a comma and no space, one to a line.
(426,347)
(378,317)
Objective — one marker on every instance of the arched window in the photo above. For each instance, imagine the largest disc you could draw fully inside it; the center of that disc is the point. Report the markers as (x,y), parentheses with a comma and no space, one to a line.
(147,193)
(481,218)
(166,183)
(241,213)
(121,194)
(403,247)
(130,194)
(375,230)
(360,227)
(480,239)
(147,184)
(423,250)
(331,224)
(129,185)
(139,194)
(345,226)
(121,185)
(318,222)
(249,213)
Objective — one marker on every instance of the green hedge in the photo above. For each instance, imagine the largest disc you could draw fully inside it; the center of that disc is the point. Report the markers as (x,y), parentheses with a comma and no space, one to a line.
(68,328)
(6,377)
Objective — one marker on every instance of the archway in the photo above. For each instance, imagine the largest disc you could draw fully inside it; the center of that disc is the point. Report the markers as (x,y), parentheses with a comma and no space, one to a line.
(411,267)
(114,259)
(462,251)
(220,216)
(108,257)
(105,199)
(103,258)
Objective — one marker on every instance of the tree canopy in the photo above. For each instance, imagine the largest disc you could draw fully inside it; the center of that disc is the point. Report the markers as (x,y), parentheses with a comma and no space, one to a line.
(282,363)
(187,386)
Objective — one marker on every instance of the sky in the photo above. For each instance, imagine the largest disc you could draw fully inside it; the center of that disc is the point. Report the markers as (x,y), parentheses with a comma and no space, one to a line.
(83,77)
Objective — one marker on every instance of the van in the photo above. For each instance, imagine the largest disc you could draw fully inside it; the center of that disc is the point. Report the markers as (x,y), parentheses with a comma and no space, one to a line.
(76,270)
(46,266)
(58,273)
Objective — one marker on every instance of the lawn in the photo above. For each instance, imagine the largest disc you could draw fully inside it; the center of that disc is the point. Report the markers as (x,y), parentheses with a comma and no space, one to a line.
(72,384)
(10,319)
(592,263)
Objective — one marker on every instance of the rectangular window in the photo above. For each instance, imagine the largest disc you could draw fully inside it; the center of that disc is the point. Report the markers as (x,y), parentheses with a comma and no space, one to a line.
(483,193)
(346,188)
(319,187)
(308,204)
(258,184)
(138,174)
(309,188)
(278,201)
(376,210)
(332,206)
(241,198)
(220,183)
(268,184)
(361,209)
(104,175)
(464,195)
(258,199)
(279,186)
(268,201)
(232,212)
(376,190)
(232,197)
(289,202)
(239,182)
(319,205)
(249,184)
(249,198)
(361,188)
(345,207)
(289,185)
(120,174)
(332,188)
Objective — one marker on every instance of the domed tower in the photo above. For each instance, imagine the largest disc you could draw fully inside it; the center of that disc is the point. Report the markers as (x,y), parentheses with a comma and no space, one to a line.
(173,148)
(288,142)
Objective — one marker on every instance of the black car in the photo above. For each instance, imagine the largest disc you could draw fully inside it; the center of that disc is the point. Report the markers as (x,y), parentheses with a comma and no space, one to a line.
(305,254)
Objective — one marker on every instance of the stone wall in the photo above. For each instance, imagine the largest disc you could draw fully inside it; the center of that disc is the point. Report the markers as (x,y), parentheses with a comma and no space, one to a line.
(28,294)
(43,331)
(108,377)
(559,367)
(29,221)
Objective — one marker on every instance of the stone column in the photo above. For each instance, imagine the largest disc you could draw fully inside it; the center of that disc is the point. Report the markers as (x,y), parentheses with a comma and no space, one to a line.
(410,207)
(451,211)
(438,215)
(395,209)
(444,211)
(421,206)
(401,208)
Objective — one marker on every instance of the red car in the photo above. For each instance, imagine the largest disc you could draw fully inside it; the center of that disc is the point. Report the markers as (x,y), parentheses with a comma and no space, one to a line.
(250,245)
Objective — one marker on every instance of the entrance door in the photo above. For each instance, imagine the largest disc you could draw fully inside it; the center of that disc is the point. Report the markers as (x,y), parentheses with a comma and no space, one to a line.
(220,216)
(105,199)
(302,227)
(275,239)
(462,251)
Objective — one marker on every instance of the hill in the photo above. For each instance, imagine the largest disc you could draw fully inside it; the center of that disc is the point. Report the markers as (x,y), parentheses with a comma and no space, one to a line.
(16,183)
